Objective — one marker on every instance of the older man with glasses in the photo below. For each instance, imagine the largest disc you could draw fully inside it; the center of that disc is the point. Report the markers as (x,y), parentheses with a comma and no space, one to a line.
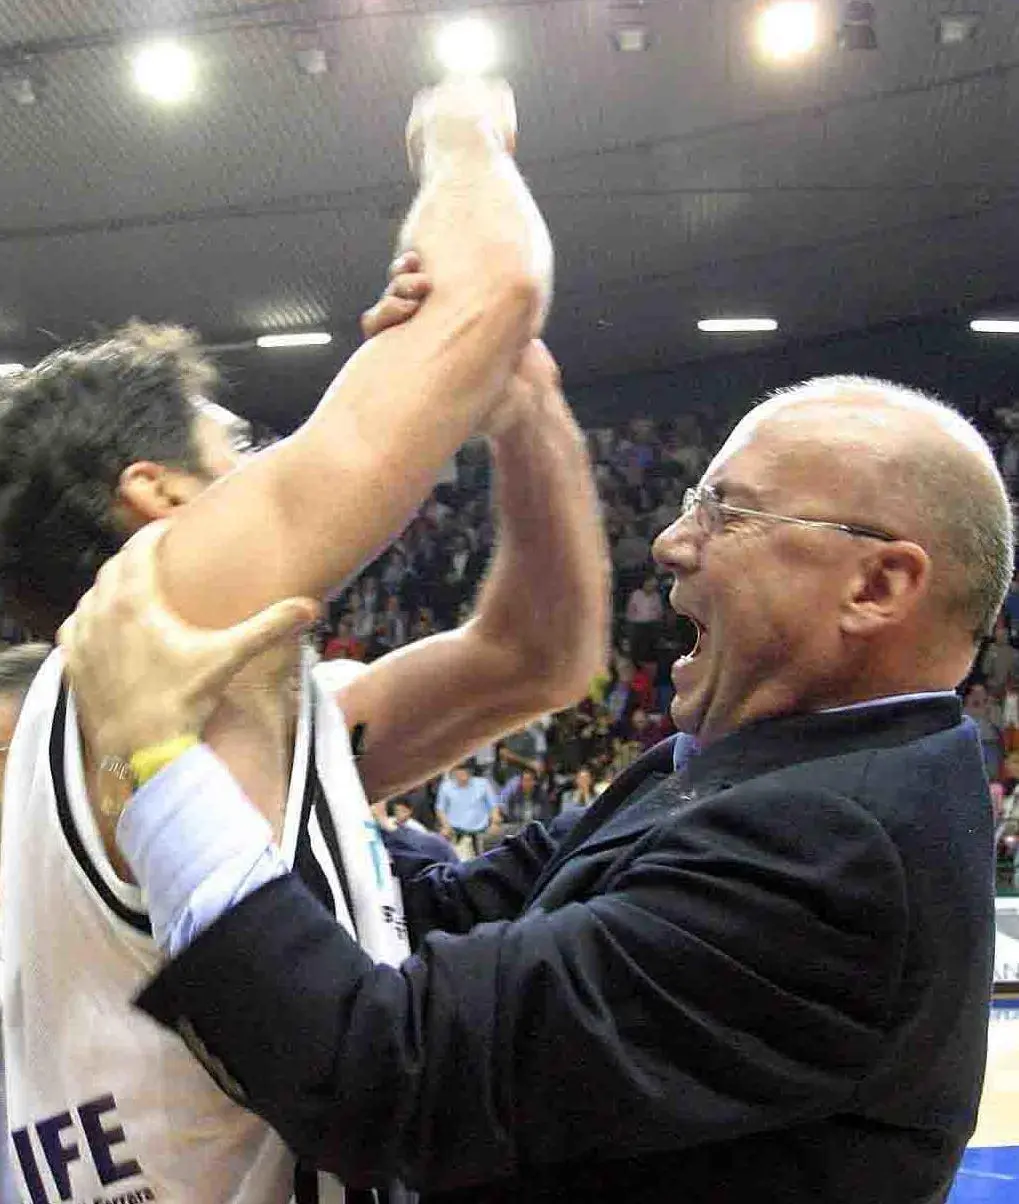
(757,968)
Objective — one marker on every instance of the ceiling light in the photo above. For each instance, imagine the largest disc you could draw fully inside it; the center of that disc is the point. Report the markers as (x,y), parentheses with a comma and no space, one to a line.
(164,71)
(995,325)
(312,60)
(311,338)
(631,39)
(11,369)
(736,325)
(857,32)
(788,30)
(957,28)
(467,46)
(21,81)
(310,53)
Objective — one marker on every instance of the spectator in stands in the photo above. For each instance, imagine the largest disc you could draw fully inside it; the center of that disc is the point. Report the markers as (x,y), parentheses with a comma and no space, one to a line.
(643,685)
(621,699)
(403,813)
(411,841)
(461,571)
(1011,608)
(583,793)
(644,616)
(362,615)
(668,507)
(523,799)
(344,645)
(423,624)
(631,554)
(999,662)
(647,730)
(394,624)
(981,708)
(395,572)
(525,749)
(466,807)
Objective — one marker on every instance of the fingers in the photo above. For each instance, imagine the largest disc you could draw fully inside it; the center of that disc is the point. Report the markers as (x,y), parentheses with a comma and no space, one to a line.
(398,304)
(390,311)
(410,286)
(409,261)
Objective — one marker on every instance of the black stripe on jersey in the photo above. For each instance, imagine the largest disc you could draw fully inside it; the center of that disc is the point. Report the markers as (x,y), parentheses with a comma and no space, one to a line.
(306,864)
(137,919)
(307,867)
(306,1190)
(325,821)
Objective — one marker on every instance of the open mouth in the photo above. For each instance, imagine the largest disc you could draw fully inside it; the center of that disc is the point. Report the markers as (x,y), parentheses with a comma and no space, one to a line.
(692,632)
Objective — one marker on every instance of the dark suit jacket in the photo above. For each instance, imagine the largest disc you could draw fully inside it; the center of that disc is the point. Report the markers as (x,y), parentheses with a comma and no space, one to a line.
(765,977)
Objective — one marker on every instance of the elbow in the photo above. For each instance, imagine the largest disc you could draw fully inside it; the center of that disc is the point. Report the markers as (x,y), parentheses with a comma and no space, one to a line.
(572,683)
(519,289)
(564,674)
(524,302)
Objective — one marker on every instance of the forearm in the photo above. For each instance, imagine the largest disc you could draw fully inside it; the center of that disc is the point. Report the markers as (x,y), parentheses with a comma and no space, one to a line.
(548,590)
(327,498)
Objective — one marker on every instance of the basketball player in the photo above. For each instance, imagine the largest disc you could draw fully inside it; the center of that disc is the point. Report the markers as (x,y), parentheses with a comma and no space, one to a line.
(18,666)
(97,442)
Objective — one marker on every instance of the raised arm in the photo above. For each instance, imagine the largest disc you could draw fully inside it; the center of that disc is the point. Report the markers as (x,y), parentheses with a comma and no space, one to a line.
(318,504)
(540,630)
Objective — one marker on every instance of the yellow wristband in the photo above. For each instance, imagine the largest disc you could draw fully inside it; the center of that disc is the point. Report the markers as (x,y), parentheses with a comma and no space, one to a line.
(147,762)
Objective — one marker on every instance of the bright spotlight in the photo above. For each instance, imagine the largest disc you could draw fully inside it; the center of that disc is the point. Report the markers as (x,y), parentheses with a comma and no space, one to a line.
(467,46)
(164,71)
(788,30)
(995,325)
(737,325)
(309,338)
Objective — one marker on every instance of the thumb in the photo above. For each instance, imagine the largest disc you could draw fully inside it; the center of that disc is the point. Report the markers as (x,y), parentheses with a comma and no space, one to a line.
(263,631)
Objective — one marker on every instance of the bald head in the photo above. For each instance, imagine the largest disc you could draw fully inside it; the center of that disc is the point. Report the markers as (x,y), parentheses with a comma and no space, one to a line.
(902,462)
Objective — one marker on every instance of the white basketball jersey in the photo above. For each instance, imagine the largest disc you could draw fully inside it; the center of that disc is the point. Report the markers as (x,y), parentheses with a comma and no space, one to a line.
(104,1105)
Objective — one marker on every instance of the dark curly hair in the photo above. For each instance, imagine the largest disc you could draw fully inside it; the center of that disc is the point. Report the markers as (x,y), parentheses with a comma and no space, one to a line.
(68,429)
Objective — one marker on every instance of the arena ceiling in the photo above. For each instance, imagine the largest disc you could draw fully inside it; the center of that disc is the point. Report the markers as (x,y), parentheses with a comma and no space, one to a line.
(687,180)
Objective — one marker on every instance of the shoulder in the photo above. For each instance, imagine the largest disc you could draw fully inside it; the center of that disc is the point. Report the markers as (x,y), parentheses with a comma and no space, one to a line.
(792,838)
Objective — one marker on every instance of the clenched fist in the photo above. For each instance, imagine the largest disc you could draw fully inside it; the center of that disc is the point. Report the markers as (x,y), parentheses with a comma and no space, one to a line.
(457,110)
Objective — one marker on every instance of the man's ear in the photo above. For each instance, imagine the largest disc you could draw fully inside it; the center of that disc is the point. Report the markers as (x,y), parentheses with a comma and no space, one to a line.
(887,588)
(148,492)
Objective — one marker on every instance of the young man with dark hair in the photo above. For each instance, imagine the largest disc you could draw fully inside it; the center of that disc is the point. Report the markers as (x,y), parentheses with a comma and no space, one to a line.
(102,440)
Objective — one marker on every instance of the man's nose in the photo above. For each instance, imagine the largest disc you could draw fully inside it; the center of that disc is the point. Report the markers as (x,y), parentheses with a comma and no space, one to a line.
(677,549)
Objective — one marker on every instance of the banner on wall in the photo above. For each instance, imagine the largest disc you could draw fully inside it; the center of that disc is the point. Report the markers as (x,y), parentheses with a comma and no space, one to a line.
(1006,943)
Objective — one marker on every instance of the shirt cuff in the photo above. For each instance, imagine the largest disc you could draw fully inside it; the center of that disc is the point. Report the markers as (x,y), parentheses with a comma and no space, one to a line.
(196,846)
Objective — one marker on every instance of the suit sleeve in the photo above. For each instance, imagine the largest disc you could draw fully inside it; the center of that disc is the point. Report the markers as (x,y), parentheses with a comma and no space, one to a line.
(454,896)
(734,976)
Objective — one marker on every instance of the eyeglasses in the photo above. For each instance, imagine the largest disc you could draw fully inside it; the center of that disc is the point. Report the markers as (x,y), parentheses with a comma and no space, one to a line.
(711,513)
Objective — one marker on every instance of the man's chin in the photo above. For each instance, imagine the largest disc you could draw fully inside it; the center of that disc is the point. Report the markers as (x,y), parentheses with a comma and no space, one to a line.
(687,715)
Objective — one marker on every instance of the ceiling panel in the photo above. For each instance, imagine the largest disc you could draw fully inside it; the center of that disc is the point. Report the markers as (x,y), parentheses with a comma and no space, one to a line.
(692,179)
